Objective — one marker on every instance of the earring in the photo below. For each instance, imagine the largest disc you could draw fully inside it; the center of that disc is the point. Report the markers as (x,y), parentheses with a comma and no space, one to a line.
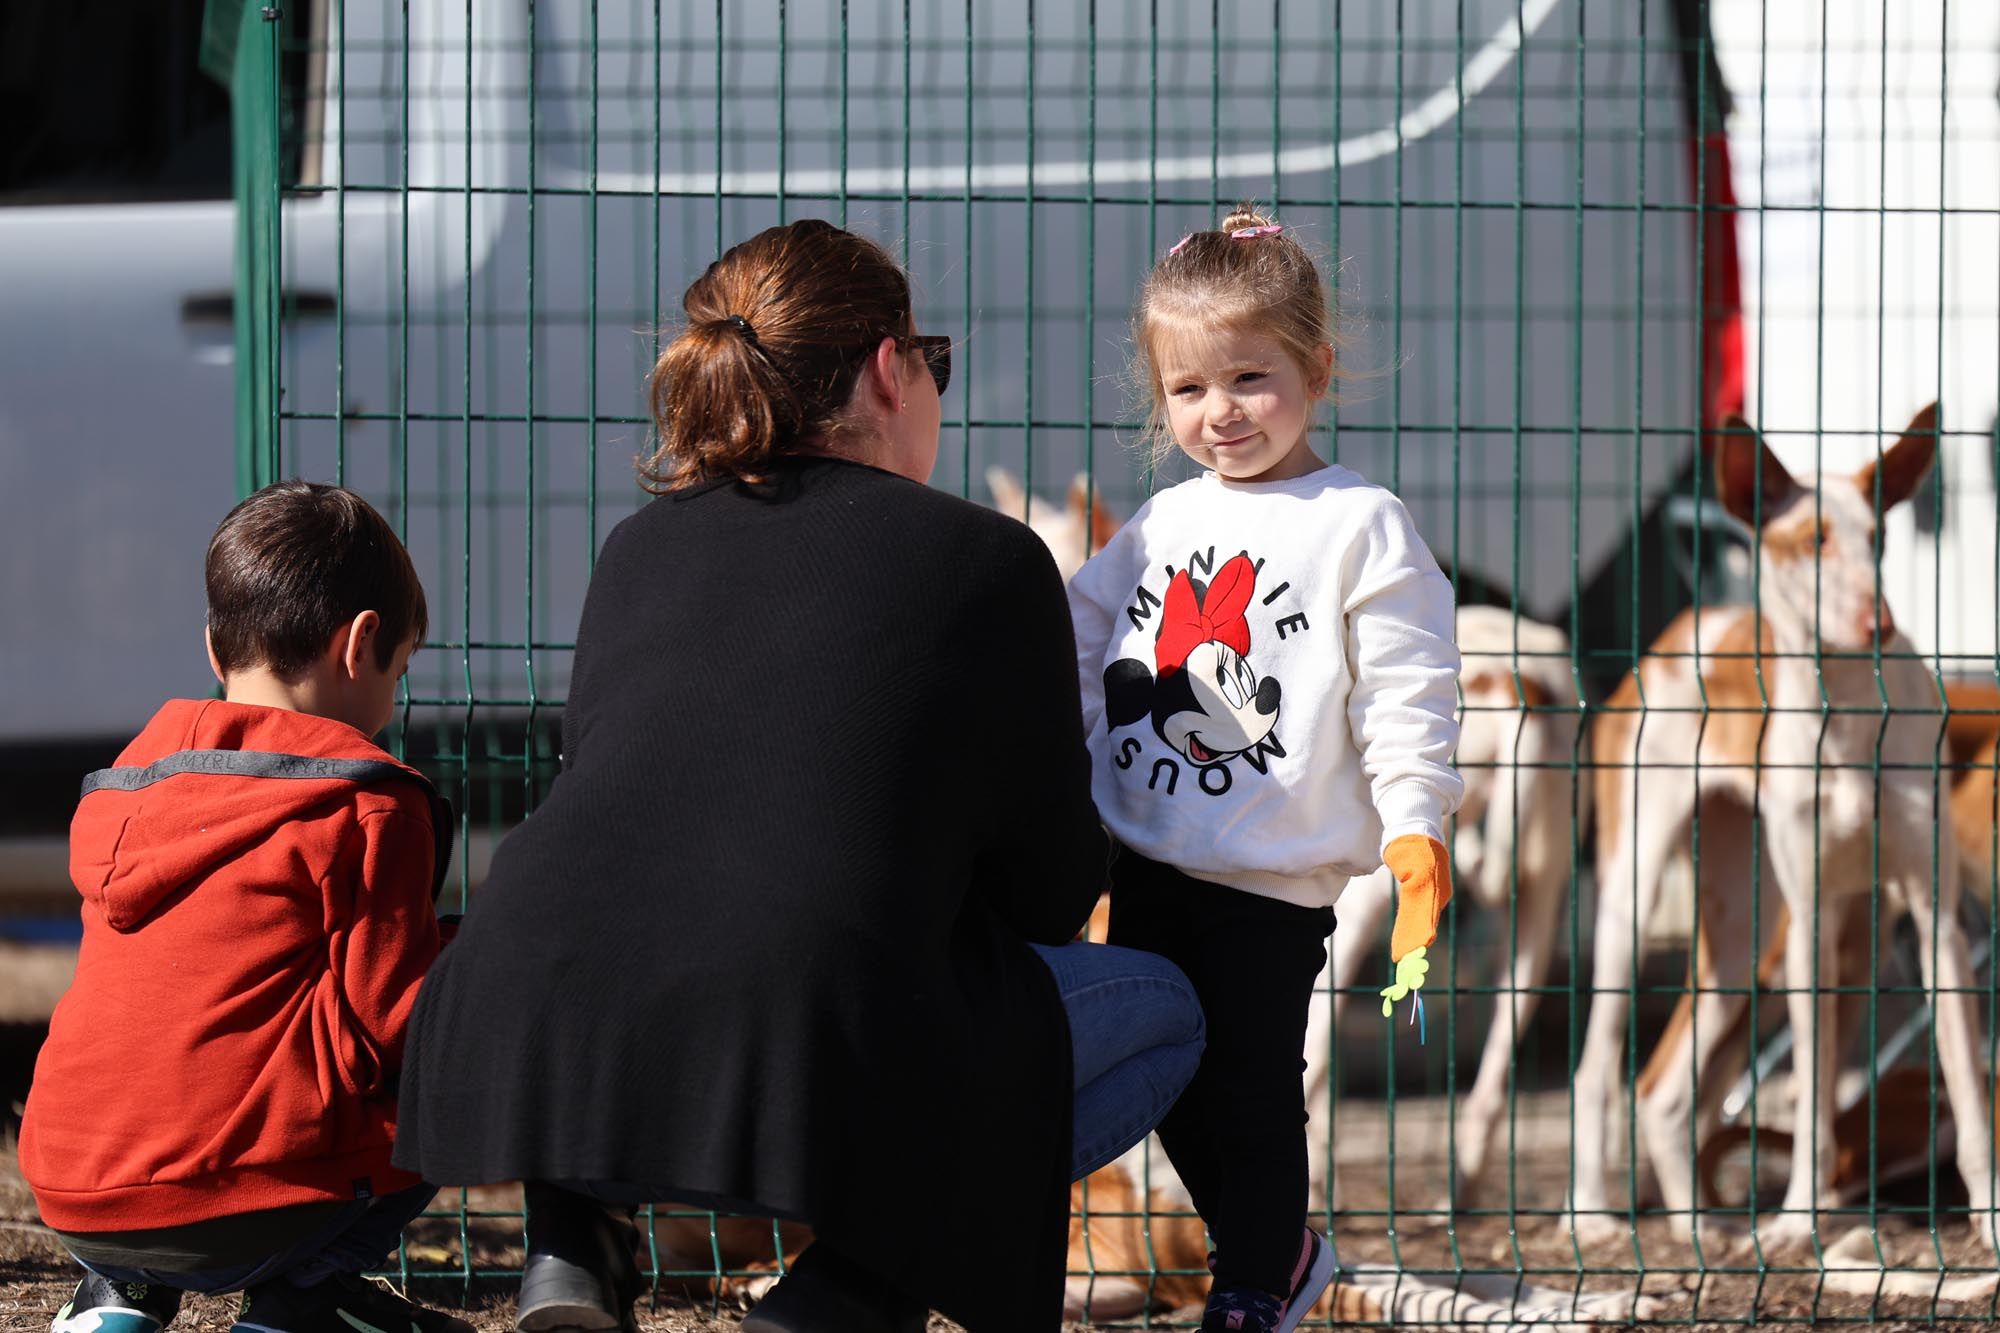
(906,404)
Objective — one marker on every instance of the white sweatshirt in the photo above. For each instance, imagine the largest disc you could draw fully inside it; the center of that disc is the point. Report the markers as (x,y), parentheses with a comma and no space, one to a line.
(1269,682)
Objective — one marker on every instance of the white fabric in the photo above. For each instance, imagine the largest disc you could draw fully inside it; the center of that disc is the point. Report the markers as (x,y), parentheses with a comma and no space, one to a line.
(1351,617)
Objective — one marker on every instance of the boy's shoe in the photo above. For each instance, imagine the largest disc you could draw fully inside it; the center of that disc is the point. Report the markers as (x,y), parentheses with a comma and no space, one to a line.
(100,1305)
(338,1305)
(1247,1310)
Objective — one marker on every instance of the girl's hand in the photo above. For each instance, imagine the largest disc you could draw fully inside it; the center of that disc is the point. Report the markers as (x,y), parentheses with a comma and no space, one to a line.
(1423,886)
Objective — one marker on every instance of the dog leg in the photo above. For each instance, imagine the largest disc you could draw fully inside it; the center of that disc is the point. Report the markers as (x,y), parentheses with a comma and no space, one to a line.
(1358,940)
(1358,943)
(1523,969)
(1809,973)
(1628,888)
(1948,977)
(1667,1111)
(1490,1302)
(1677,1081)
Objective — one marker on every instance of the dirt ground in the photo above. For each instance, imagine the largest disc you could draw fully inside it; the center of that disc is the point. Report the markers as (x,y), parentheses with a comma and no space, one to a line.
(35,1276)
(1721,1289)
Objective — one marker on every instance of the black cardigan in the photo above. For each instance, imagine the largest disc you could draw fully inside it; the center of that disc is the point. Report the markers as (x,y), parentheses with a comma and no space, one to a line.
(823,779)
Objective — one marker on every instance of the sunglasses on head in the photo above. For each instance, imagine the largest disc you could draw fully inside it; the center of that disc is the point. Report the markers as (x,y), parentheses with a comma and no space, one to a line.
(936,348)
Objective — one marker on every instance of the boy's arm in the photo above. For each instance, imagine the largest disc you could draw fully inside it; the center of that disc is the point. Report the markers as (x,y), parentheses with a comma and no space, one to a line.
(381,950)
(1402,712)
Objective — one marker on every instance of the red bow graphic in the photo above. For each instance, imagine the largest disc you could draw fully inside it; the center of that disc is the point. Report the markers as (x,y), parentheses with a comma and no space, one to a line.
(1186,624)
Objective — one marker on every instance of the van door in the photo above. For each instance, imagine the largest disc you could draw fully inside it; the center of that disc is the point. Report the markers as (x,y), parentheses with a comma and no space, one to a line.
(117,345)
(115,361)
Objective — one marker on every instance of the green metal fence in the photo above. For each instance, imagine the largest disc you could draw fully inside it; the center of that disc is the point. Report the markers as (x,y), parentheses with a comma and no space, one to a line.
(1569,235)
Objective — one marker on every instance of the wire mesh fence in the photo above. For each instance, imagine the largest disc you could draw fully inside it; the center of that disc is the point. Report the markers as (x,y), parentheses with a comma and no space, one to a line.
(1573,239)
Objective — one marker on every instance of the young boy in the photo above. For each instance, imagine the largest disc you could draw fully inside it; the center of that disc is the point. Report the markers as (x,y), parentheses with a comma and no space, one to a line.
(214,1106)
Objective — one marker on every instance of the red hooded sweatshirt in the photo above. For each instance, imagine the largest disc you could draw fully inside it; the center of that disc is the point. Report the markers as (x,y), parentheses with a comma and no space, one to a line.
(257,914)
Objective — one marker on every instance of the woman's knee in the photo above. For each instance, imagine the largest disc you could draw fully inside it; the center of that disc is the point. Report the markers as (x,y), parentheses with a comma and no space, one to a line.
(1146,997)
(1123,1003)
(1183,1022)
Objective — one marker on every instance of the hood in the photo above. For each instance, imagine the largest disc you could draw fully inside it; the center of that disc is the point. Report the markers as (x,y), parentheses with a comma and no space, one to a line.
(203,782)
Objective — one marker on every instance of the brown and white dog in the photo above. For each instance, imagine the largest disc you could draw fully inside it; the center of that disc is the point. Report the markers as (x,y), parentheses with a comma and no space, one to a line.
(1901,1118)
(1973,734)
(1523,810)
(1770,730)
(1134,1249)
(1073,532)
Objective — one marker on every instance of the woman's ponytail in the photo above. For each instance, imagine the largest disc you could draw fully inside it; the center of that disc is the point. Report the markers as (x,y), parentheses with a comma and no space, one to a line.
(777,331)
(720,407)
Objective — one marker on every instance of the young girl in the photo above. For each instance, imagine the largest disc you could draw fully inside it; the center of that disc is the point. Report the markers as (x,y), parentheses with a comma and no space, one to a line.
(1268,688)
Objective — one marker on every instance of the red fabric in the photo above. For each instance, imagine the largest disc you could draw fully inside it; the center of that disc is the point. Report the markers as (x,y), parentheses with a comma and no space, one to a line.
(1723,366)
(252,948)
(1186,622)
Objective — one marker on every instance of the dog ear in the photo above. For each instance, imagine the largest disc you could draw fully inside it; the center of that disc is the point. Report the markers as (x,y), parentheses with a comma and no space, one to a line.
(1087,503)
(1904,463)
(1749,480)
(1128,692)
(1008,497)
(1103,524)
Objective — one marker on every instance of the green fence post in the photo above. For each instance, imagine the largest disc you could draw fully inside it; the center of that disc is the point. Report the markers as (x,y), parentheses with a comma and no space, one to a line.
(254,111)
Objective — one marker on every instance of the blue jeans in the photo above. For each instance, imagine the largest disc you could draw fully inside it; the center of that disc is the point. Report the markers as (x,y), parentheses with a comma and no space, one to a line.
(352,1241)
(1136,1034)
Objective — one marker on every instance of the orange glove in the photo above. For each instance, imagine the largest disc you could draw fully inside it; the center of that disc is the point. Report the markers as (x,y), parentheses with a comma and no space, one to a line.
(1423,886)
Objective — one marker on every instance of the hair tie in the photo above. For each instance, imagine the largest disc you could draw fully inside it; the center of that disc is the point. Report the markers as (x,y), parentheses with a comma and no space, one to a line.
(742,326)
(1240,234)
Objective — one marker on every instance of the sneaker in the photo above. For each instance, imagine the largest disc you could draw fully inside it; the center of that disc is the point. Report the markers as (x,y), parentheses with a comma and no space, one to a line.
(100,1305)
(1309,1281)
(338,1305)
(1237,1309)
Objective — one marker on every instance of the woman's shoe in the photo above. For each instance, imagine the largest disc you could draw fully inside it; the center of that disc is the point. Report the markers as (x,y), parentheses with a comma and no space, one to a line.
(582,1270)
(826,1292)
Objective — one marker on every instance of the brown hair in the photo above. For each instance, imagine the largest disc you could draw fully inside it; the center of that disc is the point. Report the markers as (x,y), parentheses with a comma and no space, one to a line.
(293,564)
(778,330)
(1263,284)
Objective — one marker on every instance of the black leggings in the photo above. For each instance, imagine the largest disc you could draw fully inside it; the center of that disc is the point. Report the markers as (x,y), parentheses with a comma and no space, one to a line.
(1237,1136)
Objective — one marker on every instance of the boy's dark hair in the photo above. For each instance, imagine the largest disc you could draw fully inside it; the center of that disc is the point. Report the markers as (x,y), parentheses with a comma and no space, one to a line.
(294,563)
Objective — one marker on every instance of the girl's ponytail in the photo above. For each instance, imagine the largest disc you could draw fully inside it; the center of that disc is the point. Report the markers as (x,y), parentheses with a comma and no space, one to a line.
(1246,215)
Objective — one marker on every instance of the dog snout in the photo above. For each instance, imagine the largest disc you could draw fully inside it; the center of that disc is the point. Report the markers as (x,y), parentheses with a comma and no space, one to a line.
(1878,625)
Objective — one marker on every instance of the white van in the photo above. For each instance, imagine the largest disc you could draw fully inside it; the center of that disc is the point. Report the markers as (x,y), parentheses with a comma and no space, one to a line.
(488,224)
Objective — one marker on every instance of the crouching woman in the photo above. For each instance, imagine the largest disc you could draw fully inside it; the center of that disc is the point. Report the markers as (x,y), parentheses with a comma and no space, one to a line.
(790,935)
